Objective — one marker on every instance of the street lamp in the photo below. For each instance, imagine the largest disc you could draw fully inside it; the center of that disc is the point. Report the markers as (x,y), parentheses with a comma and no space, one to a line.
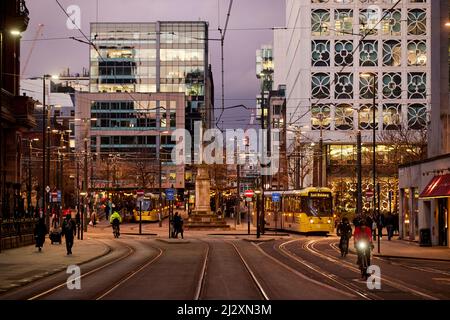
(372,76)
(30,213)
(85,192)
(160,180)
(44,146)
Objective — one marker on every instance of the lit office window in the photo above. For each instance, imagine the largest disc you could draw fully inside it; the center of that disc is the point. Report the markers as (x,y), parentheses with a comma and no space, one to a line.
(392,53)
(320,22)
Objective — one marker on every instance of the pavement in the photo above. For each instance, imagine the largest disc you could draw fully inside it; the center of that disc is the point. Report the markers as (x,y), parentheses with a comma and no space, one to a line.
(410,250)
(23,265)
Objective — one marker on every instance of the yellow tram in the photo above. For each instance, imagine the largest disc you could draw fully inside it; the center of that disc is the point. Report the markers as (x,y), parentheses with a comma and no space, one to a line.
(150,208)
(306,210)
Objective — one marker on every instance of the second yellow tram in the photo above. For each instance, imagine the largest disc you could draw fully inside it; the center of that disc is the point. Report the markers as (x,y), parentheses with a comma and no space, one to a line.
(150,208)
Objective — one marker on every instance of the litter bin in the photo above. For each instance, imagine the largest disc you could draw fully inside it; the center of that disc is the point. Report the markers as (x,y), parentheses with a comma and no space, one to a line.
(425,238)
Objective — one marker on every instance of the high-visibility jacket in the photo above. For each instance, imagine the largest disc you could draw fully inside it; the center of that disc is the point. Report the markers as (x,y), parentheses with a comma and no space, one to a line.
(115,215)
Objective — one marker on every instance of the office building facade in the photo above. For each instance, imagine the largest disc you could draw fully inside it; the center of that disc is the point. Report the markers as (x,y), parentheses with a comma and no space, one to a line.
(152,58)
(332,55)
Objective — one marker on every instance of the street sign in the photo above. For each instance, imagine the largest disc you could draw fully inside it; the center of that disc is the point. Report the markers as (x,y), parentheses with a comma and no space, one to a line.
(276,197)
(47,189)
(59,195)
(248,193)
(369,194)
(170,194)
(54,197)
(140,193)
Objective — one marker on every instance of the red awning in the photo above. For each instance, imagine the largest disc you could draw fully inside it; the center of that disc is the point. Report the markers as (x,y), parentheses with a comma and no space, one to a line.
(438,187)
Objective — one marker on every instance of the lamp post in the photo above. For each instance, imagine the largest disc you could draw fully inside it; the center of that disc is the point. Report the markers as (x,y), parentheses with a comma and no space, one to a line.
(160,178)
(44,146)
(85,192)
(30,147)
(321,150)
(374,123)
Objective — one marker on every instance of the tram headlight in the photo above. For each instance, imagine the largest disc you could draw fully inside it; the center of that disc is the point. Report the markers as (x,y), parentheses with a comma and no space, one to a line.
(329,220)
(311,221)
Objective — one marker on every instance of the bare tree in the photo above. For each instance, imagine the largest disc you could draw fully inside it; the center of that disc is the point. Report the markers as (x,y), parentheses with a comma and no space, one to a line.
(300,165)
(146,173)
(406,145)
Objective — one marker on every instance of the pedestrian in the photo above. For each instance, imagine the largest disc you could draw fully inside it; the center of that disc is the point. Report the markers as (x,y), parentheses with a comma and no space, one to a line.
(78,222)
(93,218)
(380,225)
(390,226)
(69,231)
(374,230)
(177,225)
(107,210)
(40,231)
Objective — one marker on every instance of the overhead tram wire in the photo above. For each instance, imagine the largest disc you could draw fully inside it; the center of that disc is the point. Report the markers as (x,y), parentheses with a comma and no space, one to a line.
(222,42)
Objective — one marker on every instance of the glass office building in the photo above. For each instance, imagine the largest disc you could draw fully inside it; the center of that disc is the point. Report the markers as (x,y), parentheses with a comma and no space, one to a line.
(140,58)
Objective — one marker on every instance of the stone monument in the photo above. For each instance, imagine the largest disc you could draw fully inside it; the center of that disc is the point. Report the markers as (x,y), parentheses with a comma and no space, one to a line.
(202,217)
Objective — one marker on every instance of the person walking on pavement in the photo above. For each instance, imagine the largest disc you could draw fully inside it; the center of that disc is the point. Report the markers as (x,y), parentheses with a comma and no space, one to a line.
(40,231)
(78,222)
(390,226)
(374,230)
(69,231)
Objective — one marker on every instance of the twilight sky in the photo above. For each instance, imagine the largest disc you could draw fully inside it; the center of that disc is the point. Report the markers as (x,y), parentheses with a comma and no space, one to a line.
(241,85)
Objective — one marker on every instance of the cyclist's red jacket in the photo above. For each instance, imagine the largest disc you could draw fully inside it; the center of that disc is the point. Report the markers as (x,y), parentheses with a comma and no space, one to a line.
(359,234)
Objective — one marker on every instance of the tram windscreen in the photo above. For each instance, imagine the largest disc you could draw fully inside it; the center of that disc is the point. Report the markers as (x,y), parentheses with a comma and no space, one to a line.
(319,207)
(146,205)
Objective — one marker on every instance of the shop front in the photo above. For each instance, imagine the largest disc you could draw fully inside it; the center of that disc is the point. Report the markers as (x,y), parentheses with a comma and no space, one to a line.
(424,189)
(438,191)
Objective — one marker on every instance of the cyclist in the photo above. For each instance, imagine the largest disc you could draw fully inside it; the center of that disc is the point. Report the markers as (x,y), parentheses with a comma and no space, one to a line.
(115,219)
(344,230)
(363,233)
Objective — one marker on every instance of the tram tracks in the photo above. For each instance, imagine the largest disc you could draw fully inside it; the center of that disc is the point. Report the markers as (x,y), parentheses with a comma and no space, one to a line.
(252,274)
(332,277)
(47,292)
(130,250)
(200,289)
(310,247)
(132,273)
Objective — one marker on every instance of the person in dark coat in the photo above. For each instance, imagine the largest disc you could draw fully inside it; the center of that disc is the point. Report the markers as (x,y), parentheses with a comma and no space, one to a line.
(69,231)
(178,225)
(40,231)
(390,225)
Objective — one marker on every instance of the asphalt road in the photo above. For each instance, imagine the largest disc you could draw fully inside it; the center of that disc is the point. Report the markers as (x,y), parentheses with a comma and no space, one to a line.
(222,268)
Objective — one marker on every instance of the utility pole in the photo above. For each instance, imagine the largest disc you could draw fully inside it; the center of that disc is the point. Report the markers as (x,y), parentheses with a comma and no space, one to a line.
(160,186)
(359,174)
(44,149)
(78,198)
(238,200)
(85,185)
(321,151)
(30,213)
